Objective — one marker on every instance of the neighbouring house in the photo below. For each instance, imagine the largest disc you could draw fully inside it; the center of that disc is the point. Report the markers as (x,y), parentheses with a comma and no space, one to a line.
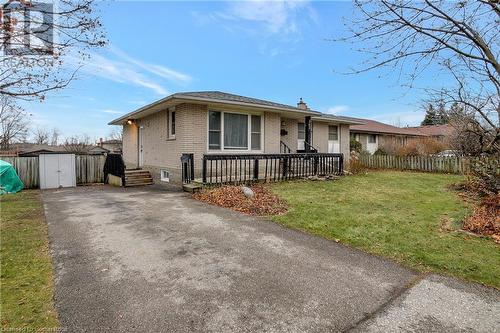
(97,150)
(212,122)
(113,145)
(374,134)
(439,132)
(34,150)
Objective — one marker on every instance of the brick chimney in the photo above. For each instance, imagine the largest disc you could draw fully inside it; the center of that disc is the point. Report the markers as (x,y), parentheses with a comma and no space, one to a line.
(302,105)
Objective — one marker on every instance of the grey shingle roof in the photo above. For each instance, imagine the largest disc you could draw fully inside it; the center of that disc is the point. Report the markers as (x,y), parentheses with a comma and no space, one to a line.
(226,97)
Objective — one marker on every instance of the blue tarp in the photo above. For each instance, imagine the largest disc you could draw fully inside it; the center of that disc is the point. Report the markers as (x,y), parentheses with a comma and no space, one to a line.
(9,180)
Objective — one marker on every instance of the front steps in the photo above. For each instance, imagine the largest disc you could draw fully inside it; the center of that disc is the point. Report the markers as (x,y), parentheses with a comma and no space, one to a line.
(138,178)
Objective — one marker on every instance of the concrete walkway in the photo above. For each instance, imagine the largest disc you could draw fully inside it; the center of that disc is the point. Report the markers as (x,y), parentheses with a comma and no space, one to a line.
(145,260)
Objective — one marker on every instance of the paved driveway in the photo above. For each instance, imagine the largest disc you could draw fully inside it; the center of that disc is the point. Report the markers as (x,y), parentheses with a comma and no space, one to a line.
(147,260)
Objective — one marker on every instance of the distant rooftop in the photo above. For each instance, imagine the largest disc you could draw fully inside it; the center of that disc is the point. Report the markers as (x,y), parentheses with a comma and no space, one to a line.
(372,126)
(434,130)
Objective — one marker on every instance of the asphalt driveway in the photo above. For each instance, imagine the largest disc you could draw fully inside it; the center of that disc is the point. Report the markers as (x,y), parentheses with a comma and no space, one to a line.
(147,260)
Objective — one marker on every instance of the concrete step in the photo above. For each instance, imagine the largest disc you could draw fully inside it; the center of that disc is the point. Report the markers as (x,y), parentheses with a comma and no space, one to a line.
(192,187)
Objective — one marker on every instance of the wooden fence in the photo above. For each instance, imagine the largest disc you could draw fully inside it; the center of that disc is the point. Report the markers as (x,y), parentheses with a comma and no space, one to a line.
(27,169)
(457,165)
(89,169)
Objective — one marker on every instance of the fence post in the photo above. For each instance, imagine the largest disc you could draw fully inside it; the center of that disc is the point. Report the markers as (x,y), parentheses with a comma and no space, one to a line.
(285,167)
(255,169)
(341,164)
(204,170)
(191,162)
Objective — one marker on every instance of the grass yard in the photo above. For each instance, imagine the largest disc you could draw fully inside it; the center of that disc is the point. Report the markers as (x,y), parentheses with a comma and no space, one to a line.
(409,217)
(26,268)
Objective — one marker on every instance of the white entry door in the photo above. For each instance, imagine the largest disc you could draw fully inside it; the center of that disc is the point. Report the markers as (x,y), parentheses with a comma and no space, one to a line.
(333,139)
(141,146)
(57,170)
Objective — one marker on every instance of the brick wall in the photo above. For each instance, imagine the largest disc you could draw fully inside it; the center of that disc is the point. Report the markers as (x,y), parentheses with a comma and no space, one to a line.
(272,123)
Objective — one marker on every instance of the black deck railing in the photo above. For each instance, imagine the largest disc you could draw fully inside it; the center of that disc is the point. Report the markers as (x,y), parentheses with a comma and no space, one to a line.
(246,168)
(284,149)
(187,163)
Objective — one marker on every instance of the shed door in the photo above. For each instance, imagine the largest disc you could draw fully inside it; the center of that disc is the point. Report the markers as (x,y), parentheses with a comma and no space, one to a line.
(57,170)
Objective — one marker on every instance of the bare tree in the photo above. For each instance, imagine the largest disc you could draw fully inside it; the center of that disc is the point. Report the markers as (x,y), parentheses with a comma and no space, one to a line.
(78,144)
(116,134)
(458,38)
(41,136)
(54,137)
(14,122)
(44,45)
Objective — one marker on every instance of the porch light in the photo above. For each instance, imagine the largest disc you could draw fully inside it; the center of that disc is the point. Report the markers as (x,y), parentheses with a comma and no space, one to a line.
(130,121)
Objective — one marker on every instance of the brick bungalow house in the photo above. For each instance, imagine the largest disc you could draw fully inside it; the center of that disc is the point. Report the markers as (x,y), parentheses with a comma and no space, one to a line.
(211,122)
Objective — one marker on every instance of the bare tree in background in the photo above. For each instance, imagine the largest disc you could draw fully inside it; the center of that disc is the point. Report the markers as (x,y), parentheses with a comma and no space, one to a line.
(64,36)
(116,134)
(78,144)
(14,122)
(460,38)
(54,137)
(41,136)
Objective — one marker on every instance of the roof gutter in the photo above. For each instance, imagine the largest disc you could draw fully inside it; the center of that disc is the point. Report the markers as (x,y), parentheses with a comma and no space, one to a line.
(337,120)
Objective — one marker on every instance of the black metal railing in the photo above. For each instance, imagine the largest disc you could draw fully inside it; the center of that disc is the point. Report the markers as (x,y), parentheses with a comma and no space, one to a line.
(246,168)
(284,149)
(115,166)
(187,164)
(310,148)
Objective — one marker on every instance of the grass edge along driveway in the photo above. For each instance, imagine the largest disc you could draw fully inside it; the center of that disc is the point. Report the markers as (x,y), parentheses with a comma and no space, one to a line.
(27,288)
(406,216)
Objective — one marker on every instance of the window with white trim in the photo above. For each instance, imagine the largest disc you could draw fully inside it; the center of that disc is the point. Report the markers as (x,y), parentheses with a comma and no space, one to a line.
(301,131)
(234,131)
(214,130)
(372,138)
(171,124)
(333,133)
(255,132)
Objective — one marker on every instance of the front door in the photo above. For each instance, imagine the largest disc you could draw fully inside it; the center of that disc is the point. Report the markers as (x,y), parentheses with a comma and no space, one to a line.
(333,139)
(141,146)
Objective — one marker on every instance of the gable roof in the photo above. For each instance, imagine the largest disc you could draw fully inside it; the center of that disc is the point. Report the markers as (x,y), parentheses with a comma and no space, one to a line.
(372,126)
(227,97)
(215,97)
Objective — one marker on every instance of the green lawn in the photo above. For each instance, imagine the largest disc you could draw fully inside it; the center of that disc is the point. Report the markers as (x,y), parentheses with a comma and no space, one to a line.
(406,216)
(26,269)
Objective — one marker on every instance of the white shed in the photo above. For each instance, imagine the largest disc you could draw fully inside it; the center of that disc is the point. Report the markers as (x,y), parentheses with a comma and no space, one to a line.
(57,170)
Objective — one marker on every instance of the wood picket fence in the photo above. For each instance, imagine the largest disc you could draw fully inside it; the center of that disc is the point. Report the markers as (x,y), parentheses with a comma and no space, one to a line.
(27,169)
(455,165)
(89,169)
